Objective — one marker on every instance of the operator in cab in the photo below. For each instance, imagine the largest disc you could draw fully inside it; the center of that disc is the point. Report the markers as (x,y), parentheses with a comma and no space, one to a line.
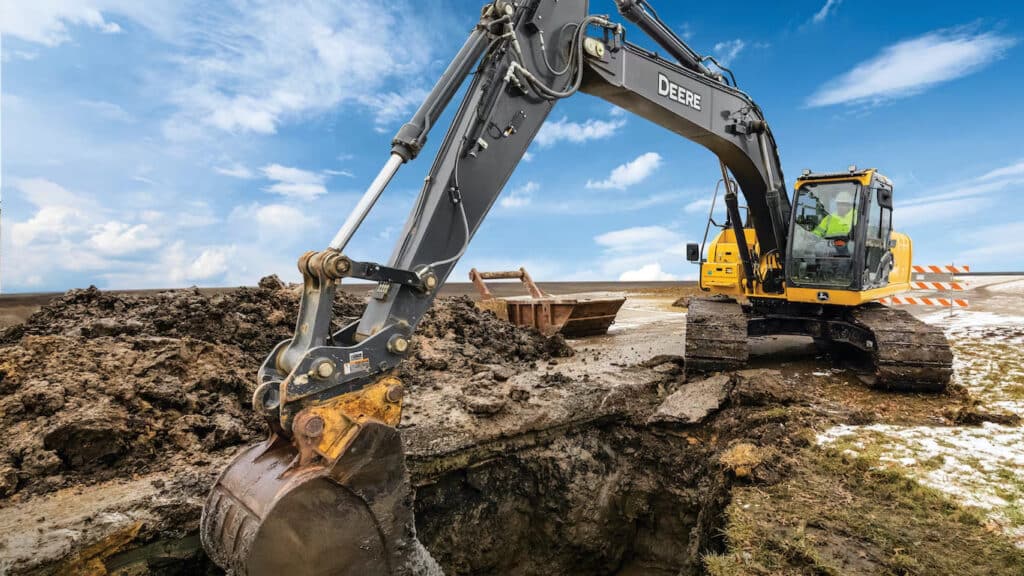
(840,222)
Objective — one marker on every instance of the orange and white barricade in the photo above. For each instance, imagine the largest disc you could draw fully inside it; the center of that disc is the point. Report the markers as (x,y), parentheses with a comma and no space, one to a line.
(931,299)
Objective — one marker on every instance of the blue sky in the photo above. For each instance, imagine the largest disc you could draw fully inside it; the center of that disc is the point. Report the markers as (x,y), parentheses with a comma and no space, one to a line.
(172,143)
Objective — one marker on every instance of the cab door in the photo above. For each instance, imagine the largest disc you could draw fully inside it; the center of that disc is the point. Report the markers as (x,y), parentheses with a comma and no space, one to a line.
(878,258)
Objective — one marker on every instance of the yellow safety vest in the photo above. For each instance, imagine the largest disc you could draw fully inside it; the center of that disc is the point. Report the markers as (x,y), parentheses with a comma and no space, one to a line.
(833,225)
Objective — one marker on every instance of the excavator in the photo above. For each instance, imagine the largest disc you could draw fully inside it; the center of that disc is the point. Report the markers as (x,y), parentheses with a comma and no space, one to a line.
(328,492)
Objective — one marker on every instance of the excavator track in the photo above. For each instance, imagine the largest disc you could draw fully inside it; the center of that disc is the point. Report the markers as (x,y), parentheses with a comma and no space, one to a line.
(716,335)
(909,355)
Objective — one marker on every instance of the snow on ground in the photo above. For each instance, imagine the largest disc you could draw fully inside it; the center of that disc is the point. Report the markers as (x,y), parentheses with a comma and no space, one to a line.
(979,466)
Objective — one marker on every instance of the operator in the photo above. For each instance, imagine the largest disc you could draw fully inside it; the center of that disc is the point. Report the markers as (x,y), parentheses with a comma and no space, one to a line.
(840,222)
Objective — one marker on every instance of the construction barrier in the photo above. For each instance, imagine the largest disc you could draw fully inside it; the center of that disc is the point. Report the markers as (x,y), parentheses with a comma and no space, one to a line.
(948,286)
(953,285)
(942,269)
(925,301)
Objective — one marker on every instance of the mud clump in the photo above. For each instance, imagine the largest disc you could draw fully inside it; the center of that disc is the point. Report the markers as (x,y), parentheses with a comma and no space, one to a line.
(100,385)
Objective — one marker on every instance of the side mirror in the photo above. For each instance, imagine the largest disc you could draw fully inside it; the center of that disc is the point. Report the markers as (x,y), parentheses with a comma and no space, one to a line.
(885,198)
(693,252)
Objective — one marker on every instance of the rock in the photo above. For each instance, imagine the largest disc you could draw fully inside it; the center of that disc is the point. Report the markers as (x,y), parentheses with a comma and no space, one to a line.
(8,481)
(483,405)
(557,347)
(761,386)
(683,302)
(976,416)
(501,373)
(693,402)
(98,437)
(41,397)
(41,463)
(518,394)
(271,282)
(483,376)
(111,327)
(556,379)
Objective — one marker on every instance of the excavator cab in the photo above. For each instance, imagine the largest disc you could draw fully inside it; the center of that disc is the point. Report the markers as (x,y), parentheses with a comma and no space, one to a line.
(841,231)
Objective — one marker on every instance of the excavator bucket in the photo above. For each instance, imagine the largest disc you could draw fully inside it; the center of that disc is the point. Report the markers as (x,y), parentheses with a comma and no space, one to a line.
(333,501)
(573,317)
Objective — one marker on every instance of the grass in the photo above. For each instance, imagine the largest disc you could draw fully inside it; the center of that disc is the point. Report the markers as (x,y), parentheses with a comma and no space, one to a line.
(841,514)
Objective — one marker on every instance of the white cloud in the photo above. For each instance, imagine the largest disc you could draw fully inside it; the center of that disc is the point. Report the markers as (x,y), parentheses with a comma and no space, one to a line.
(647,273)
(42,192)
(983,187)
(11,55)
(46,21)
(642,253)
(995,254)
(520,196)
(294,182)
(60,212)
(118,239)
(211,262)
(1011,171)
(630,173)
(45,225)
(938,211)
(345,173)
(829,8)
(912,66)
(107,110)
(726,52)
(640,237)
(702,205)
(275,219)
(553,132)
(249,68)
(235,170)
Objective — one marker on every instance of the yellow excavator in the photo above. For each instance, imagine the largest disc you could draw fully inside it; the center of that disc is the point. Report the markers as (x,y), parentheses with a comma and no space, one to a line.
(840,255)
(328,492)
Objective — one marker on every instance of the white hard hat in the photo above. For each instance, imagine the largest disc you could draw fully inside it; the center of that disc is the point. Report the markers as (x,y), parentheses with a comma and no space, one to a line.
(844,197)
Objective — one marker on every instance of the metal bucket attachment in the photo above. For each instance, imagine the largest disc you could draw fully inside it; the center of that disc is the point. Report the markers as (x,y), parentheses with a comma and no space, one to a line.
(574,317)
(281,507)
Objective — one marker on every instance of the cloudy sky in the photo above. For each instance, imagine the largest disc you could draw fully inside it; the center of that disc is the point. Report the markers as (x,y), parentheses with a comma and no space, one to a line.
(171,143)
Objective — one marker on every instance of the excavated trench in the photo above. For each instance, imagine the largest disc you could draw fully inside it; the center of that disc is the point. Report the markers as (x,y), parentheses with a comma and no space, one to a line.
(642,494)
(526,456)
(603,501)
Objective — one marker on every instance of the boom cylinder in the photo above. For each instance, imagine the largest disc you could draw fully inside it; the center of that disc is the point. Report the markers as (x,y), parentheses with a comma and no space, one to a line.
(411,137)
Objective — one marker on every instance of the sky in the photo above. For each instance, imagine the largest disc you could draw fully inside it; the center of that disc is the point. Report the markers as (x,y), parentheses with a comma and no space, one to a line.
(172,143)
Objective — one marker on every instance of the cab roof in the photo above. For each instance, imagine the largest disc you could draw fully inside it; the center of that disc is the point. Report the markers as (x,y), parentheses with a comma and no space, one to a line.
(855,175)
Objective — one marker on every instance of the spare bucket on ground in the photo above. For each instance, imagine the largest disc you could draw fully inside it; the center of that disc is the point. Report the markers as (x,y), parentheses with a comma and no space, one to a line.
(574,315)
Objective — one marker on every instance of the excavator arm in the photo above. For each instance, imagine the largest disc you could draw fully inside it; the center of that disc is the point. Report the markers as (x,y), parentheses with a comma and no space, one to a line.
(330,398)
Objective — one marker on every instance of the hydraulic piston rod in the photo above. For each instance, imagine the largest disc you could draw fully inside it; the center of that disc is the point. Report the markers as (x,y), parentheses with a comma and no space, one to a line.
(370,197)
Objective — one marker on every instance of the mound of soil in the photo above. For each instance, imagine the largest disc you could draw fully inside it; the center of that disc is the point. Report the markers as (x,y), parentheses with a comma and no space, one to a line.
(99,385)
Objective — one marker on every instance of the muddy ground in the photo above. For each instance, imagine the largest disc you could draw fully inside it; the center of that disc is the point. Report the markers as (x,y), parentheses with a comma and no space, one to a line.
(528,456)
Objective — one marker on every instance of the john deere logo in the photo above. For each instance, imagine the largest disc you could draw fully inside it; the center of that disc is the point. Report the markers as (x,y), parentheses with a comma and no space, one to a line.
(822,296)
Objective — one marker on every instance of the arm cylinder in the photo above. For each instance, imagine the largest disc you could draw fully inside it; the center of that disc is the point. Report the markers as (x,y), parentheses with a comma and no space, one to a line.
(634,11)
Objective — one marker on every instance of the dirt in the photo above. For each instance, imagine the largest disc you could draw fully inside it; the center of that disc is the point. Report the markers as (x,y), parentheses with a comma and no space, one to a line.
(528,455)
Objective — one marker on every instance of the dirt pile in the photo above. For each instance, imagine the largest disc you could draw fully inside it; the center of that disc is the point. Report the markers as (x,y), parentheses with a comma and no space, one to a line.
(99,385)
